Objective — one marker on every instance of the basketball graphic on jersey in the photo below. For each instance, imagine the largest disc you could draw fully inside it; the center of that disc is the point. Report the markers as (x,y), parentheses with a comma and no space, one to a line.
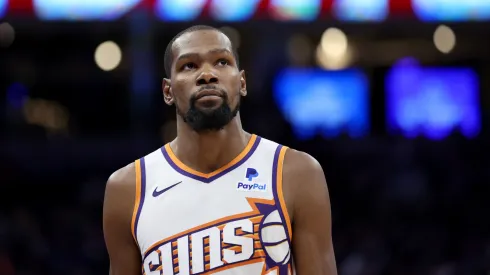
(274,239)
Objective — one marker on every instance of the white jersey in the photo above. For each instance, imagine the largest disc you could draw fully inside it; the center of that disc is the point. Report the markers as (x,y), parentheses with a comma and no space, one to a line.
(232,221)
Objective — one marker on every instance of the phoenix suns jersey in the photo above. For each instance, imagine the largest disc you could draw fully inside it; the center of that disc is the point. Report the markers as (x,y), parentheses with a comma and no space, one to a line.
(232,221)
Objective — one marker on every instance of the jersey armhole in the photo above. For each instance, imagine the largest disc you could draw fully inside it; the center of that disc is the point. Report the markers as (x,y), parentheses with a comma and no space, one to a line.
(139,166)
(277,174)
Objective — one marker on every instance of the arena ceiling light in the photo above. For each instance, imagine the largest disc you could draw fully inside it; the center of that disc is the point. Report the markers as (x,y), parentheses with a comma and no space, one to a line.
(108,56)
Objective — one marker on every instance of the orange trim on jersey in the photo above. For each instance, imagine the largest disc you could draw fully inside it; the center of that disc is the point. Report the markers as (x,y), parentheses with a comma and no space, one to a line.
(255,211)
(186,168)
(282,201)
(137,199)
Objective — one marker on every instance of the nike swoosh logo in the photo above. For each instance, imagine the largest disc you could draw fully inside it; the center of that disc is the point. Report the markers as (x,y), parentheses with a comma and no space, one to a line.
(158,193)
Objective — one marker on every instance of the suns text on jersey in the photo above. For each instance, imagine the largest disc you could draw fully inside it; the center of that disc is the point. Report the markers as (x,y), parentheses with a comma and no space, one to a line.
(226,245)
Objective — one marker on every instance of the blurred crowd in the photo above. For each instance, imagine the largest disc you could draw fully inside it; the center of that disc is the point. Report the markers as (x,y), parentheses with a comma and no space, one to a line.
(399,207)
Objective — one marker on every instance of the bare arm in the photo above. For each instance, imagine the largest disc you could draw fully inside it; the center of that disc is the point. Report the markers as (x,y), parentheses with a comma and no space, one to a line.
(307,198)
(119,200)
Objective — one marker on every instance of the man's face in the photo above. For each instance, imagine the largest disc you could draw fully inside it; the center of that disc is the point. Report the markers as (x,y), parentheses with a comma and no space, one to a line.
(206,84)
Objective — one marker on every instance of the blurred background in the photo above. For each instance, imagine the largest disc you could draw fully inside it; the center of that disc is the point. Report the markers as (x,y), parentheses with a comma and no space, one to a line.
(391,96)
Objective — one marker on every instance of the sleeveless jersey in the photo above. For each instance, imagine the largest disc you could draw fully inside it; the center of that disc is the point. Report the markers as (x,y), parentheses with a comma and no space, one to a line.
(232,221)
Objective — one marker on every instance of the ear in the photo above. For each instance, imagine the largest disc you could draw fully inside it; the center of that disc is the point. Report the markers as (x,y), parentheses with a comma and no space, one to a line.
(243,84)
(167,92)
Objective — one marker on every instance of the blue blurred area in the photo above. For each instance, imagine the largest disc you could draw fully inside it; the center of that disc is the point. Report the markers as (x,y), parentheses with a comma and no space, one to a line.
(3,7)
(451,10)
(17,94)
(179,10)
(433,101)
(233,10)
(361,10)
(83,10)
(326,102)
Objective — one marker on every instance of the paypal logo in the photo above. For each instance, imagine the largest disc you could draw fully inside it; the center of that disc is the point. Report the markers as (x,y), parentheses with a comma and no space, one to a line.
(251,187)
(250,175)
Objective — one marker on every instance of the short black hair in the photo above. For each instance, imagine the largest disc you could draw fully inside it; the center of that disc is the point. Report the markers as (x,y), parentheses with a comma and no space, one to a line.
(168,51)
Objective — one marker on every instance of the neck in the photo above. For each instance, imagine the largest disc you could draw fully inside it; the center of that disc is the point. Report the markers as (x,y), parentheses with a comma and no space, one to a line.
(208,151)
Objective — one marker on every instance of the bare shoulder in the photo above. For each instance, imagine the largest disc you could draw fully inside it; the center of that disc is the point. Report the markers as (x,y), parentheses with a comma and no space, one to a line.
(120,193)
(123,177)
(302,172)
(298,163)
(303,180)
(119,202)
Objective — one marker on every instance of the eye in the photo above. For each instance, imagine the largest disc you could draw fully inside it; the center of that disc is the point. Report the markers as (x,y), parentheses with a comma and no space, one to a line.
(222,62)
(188,66)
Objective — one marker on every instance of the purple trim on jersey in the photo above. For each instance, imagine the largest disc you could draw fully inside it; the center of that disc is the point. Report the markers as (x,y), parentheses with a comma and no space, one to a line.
(283,269)
(142,195)
(210,179)
(274,188)
(274,223)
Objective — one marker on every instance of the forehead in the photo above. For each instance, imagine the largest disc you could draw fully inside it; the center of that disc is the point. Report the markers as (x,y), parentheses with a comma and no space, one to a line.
(200,42)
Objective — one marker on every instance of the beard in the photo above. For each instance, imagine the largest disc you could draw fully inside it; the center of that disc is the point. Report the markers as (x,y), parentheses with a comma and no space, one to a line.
(209,120)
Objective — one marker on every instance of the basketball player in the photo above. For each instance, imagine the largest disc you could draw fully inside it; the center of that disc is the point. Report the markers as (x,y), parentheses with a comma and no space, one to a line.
(216,200)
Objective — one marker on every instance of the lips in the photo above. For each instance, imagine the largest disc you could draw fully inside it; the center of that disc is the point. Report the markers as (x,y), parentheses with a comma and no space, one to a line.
(208,92)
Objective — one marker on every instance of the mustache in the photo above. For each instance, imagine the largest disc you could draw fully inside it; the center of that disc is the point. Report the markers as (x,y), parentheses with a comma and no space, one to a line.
(222,93)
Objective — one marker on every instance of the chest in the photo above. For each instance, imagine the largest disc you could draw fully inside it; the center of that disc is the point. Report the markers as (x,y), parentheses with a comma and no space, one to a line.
(175,203)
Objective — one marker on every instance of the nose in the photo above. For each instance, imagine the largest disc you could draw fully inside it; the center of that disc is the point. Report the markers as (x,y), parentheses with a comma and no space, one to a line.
(207,76)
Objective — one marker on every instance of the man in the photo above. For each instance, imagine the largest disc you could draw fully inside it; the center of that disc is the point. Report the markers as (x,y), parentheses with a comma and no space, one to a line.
(216,200)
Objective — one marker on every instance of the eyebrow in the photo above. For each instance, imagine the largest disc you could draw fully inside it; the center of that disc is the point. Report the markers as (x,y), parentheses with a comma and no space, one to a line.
(213,51)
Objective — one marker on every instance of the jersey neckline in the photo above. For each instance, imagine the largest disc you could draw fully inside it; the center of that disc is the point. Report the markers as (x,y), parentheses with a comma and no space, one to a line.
(185,170)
